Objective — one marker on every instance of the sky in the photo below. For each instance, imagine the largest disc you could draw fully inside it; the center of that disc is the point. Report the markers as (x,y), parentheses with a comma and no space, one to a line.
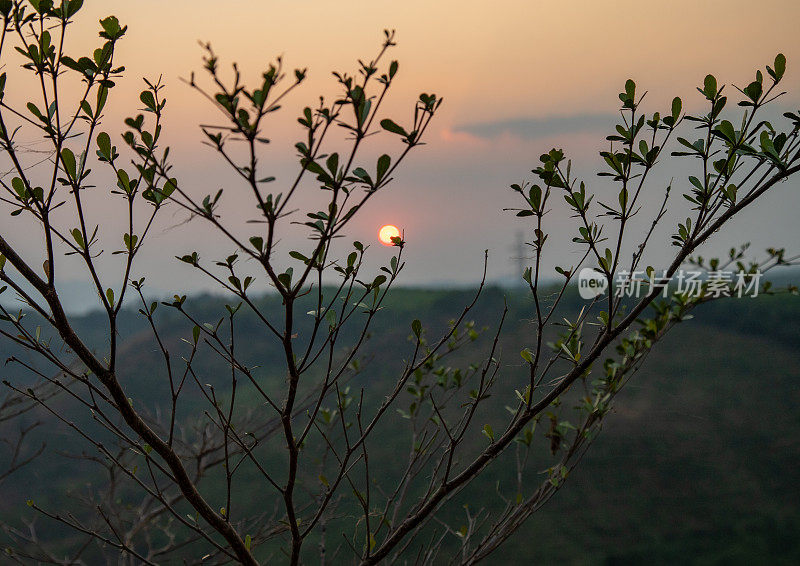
(517,77)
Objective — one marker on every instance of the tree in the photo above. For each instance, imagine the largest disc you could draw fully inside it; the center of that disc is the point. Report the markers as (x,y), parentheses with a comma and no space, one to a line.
(213,476)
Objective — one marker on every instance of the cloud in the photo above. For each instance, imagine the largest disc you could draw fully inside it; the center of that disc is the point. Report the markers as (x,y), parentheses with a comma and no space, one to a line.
(533,128)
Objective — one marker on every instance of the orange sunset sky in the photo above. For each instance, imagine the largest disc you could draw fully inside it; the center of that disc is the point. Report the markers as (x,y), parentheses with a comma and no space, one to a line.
(518,77)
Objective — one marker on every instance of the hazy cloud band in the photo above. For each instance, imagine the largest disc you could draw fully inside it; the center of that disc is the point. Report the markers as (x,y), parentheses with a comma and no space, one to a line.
(532,128)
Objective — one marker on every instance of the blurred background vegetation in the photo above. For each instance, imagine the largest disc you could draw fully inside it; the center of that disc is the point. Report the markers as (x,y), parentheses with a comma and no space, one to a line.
(698,462)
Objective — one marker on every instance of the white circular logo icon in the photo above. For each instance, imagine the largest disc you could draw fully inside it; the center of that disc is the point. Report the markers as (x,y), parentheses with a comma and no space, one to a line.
(591,283)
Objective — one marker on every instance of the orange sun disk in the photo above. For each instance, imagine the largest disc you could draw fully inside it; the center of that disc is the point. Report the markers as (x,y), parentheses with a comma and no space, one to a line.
(386,233)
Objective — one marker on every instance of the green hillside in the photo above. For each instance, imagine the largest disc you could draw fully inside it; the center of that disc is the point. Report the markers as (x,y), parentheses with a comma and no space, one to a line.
(698,463)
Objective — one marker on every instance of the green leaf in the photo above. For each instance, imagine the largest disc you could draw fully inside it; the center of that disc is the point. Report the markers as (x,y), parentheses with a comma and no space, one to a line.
(257,242)
(72,7)
(41,6)
(130,241)
(767,146)
(101,56)
(35,111)
(168,188)
(780,66)
(315,168)
(298,256)
(623,199)
(78,237)
(725,130)
(362,174)
(527,274)
(630,88)
(332,163)
(111,28)
(677,105)
(123,181)
(753,91)
(330,316)
(102,96)
(535,197)
(627,97)
(285,279)
(527,355)
(710,87)
(391,126)
(19,187)
(104,145)
(384,161)
(71,63)
(416,327)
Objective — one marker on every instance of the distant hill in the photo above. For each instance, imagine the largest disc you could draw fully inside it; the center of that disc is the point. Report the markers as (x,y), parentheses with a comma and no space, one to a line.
(698,463)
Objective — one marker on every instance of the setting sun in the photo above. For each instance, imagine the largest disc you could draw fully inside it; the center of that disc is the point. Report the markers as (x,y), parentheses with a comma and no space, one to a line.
(386,233)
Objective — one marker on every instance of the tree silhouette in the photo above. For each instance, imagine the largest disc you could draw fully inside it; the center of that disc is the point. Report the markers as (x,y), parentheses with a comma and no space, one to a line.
(212,475)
